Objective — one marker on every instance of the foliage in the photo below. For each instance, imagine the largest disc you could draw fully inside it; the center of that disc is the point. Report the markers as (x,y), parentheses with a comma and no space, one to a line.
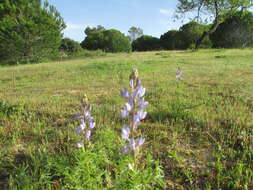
(190,33)
(215,8)
(29,31)
(106,40)
(235,32)
(70,46)
(170,40)
(88,30)
(146,43)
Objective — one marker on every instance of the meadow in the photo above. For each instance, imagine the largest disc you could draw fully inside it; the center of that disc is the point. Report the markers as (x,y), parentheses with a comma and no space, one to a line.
(198,131)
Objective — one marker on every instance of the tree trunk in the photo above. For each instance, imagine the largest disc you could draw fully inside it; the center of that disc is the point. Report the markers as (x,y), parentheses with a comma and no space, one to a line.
(206,33)
(215,25)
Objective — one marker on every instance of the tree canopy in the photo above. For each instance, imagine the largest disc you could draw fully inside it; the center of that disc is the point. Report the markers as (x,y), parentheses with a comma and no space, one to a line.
(146,43)
(216,9)
(107,40)
(29,30)
(235,32)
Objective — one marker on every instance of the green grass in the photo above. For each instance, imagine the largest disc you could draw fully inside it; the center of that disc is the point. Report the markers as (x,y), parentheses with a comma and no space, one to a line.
(199,132)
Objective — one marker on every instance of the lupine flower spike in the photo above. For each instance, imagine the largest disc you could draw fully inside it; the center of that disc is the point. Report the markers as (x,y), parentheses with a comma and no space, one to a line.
(179,74)
(86,122)
(133,110)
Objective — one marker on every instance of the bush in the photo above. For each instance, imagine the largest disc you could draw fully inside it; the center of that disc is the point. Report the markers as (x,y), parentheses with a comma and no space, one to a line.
(146,43)
(70,46)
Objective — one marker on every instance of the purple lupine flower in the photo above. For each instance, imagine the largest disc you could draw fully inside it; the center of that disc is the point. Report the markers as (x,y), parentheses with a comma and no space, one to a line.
(125,132)
(179,74)
(125,149)
(129,105)
(79,144)
(141,114)
(136,120)
(132,144)
(134,111)
(140,141)
(124,113)
(138,82)
(80,129)
(139,92)
(124,93)
(87,135)
(92,124)
(78,116)
(89,108)
(142,103)
(86,121)
(131,83)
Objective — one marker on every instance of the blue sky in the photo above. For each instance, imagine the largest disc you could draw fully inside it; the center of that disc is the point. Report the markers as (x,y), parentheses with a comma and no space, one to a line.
(154,16)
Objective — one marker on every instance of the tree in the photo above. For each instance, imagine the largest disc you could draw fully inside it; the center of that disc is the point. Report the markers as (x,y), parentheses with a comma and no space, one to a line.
(89,29)
(29,30)
(170,40)
(70,46)
(107,40)
(189,33)
(146,43)
(215,8)
(115,41)
(235,32)
(134,33)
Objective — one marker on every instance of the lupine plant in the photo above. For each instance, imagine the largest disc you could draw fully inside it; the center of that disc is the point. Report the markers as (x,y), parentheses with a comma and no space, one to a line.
(86,122)
(133,111)
(179,74)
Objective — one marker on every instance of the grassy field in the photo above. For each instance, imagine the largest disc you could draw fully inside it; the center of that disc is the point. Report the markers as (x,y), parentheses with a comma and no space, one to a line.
(199,131)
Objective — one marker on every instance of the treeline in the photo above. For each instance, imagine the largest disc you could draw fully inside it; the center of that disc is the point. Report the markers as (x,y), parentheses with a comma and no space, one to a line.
(236,31)
(32,31)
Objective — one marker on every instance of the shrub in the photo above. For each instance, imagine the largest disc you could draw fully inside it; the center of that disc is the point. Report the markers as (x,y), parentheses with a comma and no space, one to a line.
(70,46)
(146,43)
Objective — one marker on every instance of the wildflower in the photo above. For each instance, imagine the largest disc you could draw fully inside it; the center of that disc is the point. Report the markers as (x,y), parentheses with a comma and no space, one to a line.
(79,144)
(134,111)
(179,74)
(125,132)
(86,121)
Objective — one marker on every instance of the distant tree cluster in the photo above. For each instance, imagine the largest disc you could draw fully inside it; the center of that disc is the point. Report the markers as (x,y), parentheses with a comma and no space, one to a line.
(236,31)
(98,38)
(32,30)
